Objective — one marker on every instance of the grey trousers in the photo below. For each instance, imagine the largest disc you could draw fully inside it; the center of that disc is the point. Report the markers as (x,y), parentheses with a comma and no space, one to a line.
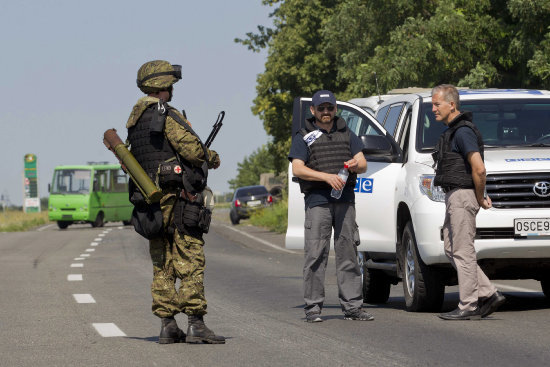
(459,230)
(318,230)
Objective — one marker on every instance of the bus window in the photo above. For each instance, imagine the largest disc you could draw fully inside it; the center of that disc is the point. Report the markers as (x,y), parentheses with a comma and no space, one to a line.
(71,181)
(120,180)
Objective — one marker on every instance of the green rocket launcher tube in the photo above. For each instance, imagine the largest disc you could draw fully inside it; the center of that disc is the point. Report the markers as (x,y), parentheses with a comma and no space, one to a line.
(131,166)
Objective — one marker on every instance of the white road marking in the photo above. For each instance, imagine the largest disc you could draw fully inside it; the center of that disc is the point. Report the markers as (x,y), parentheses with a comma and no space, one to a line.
(90,249)
(120,227)
(84,298)
(74,277)
(98,239)
(77,265)
(517,289)
(79,259)
(101,235)
(85,255)
(46,226)
(94,244)
(267,243)
(107,330)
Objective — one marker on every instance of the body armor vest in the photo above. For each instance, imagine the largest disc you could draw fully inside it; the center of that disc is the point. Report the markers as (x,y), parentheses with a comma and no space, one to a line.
(327,154)
(149,146)
(452,170)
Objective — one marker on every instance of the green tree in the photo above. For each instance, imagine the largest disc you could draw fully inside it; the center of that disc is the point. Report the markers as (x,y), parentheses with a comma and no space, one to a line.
(296,66)
(249,170)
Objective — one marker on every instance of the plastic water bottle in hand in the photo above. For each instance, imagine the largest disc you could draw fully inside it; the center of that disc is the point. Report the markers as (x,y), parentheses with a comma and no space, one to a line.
(343,174)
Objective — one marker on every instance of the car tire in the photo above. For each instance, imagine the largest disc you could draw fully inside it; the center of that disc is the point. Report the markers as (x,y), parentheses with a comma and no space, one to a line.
(98,222)
(376,284)
(424,291)
(234,218)
(127,222)
(545,284)
(62,224)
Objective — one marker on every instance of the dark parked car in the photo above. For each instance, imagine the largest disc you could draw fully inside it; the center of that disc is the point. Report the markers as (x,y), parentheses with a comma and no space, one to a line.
(248,199)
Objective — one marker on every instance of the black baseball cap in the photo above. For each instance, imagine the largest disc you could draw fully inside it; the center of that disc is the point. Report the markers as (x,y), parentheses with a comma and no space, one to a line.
(323,96)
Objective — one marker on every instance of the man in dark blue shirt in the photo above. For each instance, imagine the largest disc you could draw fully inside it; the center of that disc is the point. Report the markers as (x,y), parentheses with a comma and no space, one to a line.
(461,172)
(317,153)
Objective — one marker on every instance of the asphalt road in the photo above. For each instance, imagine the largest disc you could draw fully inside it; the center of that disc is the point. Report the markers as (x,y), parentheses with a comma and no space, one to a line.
(59,307)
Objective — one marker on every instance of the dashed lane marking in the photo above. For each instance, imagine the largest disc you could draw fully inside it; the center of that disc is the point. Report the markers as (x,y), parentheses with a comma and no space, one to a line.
(101,235)
(98,239)
(90,249)
(84,255)
(108,330)
(79,259)
(84,298)
(264,242)
(74,277)
(94,244)
(77,265)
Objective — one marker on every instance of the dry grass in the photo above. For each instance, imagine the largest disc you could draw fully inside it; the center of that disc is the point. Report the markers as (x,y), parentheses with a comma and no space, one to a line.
(15,221)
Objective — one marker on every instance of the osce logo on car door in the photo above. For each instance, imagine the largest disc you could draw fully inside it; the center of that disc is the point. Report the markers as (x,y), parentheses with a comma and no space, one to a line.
(364,185)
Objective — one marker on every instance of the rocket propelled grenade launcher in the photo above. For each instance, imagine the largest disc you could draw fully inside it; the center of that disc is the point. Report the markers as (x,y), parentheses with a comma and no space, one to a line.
(131,166)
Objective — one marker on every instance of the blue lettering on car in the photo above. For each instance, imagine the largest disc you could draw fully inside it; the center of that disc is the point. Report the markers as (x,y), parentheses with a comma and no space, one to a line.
(526,159)
(364,185)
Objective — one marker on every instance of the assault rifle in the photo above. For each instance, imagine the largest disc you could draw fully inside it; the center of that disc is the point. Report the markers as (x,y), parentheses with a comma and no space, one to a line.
(215,129)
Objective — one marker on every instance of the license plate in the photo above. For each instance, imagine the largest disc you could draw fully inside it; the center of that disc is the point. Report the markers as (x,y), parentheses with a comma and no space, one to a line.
(532,227)
(254,203)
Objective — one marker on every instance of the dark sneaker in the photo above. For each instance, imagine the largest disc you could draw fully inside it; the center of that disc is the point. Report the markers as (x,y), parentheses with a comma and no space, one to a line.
(459,314)
(489,305)
(358,315)
(313,317)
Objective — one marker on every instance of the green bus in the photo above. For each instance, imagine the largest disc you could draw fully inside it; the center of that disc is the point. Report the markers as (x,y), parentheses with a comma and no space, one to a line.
(93,193)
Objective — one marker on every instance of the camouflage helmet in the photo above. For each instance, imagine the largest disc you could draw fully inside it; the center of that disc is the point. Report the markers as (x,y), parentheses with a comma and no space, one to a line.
(154,76)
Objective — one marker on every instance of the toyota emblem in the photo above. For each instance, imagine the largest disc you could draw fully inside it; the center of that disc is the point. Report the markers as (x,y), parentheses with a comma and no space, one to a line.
(542,189)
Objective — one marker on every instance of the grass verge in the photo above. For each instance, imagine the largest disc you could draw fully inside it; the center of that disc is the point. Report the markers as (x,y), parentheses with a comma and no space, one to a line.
(16,221)
(274,218)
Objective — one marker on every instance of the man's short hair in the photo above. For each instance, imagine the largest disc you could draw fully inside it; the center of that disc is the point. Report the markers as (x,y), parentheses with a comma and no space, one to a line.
(449,92)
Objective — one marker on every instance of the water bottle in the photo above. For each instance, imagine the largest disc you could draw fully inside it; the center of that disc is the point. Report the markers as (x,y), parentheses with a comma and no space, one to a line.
(343,174)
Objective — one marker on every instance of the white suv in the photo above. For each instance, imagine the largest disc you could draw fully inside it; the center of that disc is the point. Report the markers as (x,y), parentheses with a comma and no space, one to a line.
(400,213)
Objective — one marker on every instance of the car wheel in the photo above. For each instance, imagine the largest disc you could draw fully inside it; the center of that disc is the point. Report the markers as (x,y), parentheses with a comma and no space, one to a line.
(63,224)
(423,290)
(376,284)
(545,284)
(126,222)
(98,222)
(234,218)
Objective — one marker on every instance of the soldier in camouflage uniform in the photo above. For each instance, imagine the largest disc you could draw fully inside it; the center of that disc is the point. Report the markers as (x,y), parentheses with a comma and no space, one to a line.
(175,255)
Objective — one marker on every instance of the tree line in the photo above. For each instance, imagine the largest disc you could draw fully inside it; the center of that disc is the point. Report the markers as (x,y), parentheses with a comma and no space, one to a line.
(340,44)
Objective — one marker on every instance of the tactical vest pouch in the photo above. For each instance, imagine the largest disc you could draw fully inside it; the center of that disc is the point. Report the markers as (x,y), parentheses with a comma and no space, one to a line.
(192,218)
(169,174)
(147,220)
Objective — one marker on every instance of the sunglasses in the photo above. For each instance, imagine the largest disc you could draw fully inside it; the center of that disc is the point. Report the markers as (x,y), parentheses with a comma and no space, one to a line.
(322,108)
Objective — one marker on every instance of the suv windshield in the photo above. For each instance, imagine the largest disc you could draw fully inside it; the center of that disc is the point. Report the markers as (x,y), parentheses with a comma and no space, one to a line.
(71,181)
(502,123)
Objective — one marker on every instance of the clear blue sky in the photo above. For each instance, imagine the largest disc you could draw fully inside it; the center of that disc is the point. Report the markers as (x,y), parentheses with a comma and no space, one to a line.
(69,73)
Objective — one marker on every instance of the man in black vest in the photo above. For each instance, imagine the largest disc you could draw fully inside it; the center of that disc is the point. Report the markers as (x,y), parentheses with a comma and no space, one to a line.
(160,137)
(460,171)
(317,153)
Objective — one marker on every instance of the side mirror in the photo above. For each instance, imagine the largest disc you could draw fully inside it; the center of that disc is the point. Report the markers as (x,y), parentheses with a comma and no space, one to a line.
(378,148)
(49,188)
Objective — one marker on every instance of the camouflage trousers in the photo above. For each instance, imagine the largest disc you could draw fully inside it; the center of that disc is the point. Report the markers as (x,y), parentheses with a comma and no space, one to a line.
(182,258)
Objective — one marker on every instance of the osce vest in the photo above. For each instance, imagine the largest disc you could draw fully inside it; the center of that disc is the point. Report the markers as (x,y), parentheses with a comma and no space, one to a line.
(451,168)
(328,154)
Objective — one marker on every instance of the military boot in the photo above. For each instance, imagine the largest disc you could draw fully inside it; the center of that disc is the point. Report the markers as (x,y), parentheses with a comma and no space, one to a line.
(170,332)
(197,332)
